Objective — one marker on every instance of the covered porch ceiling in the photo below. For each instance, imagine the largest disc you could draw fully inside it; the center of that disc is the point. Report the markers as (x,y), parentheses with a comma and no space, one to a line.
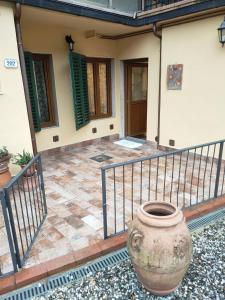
(86,25)
(105,29)
(125,23)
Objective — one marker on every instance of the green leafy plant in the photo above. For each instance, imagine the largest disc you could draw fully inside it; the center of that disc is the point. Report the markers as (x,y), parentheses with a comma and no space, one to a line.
(22,158)
(4,152)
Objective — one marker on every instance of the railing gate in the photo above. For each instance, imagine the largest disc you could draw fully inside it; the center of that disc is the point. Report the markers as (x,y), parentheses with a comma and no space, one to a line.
(24,209)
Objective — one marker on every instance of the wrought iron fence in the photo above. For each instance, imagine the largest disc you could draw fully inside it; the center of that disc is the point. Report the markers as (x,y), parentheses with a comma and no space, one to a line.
(184,177)
(126,6)
(151,4)
(23,208)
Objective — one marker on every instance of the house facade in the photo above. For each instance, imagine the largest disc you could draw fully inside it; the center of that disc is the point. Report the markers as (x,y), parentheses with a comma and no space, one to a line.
(151,70)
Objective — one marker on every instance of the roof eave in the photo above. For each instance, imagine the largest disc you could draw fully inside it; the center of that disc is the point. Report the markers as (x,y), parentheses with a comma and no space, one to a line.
(106,15)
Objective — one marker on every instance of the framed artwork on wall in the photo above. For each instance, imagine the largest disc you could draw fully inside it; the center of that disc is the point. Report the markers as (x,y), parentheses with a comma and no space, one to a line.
(174,77)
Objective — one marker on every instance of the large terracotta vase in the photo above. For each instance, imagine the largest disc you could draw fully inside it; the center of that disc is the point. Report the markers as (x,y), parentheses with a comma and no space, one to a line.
(5,174)
(160,247)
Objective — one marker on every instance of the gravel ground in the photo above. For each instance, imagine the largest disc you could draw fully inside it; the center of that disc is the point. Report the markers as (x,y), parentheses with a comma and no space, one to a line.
(204,280)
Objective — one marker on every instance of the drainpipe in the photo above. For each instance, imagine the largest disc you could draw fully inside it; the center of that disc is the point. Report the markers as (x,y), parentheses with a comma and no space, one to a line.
(159,36)
(24,75)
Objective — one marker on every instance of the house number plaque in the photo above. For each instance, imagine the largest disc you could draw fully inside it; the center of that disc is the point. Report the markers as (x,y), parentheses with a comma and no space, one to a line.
(10,63)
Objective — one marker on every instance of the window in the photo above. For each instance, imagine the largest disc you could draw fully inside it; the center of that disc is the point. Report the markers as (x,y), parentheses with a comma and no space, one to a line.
(43,76)
(99,87)
(139,82)
(91,87)
(40,76)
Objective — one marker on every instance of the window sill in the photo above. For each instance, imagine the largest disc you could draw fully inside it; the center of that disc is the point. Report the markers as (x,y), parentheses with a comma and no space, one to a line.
(101,117)
(49,127)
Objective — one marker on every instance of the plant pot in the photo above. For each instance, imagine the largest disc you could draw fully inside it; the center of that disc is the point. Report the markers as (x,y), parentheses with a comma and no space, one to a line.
(30,171)
(5,174)
(160,247)
(29,180)
(29,183)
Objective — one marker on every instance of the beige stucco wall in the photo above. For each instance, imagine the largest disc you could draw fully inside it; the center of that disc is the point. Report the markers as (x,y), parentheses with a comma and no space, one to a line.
(196,113)
(51,40)
(14,126)
(190,116)
(144,46)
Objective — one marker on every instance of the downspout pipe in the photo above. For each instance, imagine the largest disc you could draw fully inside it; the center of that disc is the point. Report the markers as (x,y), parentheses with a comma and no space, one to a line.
(159,36)
(17,19)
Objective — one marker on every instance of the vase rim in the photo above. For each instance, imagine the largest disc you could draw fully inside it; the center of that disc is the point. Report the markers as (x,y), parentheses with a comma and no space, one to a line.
(167,210)
(162,212)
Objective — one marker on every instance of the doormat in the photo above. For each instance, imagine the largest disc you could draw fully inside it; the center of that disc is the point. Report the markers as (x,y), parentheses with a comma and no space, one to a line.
(128,144)
(101,157)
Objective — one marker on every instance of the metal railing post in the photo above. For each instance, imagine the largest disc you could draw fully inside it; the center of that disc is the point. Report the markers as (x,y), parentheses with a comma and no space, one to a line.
(13,229)
(218,170)
(42,184)
(104,205)
(8,230)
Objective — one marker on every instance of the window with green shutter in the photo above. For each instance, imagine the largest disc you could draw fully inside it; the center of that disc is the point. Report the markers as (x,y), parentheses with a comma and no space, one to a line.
(32,91)
(39,77)
(78,70)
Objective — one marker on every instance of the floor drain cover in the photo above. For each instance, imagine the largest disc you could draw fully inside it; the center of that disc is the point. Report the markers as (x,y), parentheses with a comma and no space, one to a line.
(101,158)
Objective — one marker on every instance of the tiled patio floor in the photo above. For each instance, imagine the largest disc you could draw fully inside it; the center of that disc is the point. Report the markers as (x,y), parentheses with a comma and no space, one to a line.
(74,193)
(74,198)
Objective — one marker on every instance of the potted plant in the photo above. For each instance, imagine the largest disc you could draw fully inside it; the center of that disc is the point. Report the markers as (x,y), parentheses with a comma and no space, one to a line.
(22,159)
(29,180)
(5,174)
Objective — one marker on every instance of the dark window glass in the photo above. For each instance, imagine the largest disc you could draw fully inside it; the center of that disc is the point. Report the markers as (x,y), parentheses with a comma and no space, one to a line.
(99,87)
(44,89)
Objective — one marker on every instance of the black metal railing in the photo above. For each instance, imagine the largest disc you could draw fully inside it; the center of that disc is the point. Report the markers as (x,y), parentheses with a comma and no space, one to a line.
(183,177)
(151,4)
(24,210)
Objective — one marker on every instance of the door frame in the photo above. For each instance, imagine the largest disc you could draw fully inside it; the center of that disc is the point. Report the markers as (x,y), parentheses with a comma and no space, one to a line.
(127,81)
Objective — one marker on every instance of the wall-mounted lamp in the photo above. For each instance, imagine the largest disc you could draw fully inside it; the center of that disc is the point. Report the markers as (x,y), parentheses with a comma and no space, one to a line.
(69,41)
(221,32)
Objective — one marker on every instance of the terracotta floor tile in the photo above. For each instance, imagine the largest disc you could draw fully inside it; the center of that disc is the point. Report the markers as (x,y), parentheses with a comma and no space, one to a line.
(87,253)
(61,264)
(29,275)
(74,221)
(7,284)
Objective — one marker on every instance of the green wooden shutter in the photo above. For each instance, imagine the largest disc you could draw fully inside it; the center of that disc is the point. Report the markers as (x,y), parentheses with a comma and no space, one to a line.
(32,91)
(78,70)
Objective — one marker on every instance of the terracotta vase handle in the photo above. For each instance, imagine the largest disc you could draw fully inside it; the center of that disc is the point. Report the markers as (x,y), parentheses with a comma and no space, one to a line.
(136,239)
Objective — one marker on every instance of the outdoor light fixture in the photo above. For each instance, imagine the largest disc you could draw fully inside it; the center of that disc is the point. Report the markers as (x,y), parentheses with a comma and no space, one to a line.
(221,31)
(69,41)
